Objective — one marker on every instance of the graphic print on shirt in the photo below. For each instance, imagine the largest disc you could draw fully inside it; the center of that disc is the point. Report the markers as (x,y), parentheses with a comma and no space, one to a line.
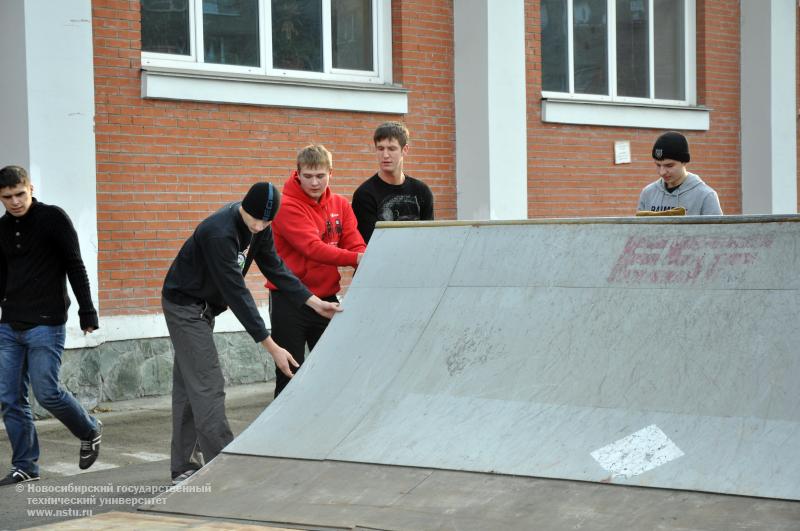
(662,208)
(333,230)
(399,208)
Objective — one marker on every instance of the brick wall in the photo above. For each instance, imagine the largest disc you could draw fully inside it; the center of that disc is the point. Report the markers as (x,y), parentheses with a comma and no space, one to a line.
(162,166)
(571,170)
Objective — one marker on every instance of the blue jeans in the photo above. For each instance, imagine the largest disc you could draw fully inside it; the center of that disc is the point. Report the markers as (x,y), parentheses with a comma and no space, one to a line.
(34,357)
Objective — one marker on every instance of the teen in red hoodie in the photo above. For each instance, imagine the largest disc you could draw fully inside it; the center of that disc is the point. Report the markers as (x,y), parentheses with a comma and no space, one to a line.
(315,233)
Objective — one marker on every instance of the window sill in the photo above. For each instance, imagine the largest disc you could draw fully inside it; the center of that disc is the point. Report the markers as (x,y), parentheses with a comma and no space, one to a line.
(625,115)
(174,84)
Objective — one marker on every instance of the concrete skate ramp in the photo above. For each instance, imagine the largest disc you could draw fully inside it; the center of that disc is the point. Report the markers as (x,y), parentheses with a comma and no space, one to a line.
(486,358)
(653,352)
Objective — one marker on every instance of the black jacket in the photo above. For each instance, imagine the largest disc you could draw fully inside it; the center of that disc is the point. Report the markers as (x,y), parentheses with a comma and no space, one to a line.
(38,252)
(208,270)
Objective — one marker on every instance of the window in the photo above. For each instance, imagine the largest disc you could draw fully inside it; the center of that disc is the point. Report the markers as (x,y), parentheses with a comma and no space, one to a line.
(631,51)
(329,40)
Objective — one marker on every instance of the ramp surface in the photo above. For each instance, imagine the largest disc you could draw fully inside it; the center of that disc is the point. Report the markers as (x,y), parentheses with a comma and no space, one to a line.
(660,353)
(647,352)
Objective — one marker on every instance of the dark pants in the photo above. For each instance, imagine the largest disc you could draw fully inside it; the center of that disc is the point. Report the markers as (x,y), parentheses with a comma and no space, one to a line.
(293,328)
(198,388)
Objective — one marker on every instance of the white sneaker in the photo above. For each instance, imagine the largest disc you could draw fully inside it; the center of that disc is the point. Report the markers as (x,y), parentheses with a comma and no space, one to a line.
(177,480)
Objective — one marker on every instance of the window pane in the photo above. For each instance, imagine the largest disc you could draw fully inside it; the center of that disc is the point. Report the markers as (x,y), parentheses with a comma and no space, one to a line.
(633,76)
(591,46)
(165,26)
(230,32)
(555,61)
(669,50)
(297,34)
(351,30)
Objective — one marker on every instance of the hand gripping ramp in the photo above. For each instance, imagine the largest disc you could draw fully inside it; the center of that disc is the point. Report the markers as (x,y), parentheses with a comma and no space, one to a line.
(650,352)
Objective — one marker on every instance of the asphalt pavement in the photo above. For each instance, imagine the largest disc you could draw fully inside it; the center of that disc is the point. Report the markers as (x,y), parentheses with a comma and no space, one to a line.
(133,464)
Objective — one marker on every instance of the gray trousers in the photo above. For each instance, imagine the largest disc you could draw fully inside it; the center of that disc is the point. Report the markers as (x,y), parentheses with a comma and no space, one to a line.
(198,388)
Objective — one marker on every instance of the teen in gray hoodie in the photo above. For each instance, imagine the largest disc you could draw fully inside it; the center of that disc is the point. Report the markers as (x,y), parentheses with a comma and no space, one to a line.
(676,187)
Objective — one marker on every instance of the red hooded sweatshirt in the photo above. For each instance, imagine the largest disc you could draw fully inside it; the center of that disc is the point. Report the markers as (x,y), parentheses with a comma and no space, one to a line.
(316,238)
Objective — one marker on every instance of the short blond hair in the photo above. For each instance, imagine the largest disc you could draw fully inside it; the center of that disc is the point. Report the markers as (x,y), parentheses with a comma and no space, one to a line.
(314,156)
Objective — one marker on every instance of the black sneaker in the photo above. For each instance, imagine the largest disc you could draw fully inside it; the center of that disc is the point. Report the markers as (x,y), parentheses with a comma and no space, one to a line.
(90,448)
(18,476)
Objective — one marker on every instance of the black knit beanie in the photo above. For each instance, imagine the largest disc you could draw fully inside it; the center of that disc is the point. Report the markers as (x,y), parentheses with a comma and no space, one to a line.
(262,201)
(671,145)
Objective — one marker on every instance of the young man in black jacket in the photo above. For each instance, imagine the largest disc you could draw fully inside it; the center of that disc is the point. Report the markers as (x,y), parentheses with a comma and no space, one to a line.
(38,252)
(207,277)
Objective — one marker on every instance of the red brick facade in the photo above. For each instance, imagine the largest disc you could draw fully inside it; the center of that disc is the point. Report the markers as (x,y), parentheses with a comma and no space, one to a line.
(571,170)
(162,166)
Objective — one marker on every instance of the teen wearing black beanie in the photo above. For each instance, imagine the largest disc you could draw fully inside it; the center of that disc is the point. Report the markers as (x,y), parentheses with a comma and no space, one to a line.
(676,187)
(205,279)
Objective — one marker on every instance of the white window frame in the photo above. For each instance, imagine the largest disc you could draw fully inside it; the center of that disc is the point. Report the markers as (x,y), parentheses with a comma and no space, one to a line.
(187,77)
(626,111)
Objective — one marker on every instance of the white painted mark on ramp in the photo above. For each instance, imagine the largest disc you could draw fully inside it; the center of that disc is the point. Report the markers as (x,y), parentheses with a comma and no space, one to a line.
(639,452)
(147,456)
(71,469)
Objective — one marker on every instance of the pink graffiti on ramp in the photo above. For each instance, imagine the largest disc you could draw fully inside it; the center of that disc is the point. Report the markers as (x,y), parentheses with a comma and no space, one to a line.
(686,259)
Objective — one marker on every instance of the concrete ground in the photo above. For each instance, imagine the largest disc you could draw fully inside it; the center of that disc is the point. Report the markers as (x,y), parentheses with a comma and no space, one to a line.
(134,466)
(134,460)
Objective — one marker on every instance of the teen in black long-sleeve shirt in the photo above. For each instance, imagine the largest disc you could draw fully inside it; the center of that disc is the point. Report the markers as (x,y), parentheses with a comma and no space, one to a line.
(206,270)
(207,277)
(38,252)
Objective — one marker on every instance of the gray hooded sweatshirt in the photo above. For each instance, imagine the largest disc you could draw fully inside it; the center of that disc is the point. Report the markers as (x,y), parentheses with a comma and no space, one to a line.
(693,194)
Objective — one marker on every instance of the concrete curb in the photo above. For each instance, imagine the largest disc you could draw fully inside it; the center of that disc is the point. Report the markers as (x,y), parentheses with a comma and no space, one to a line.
(117,411)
